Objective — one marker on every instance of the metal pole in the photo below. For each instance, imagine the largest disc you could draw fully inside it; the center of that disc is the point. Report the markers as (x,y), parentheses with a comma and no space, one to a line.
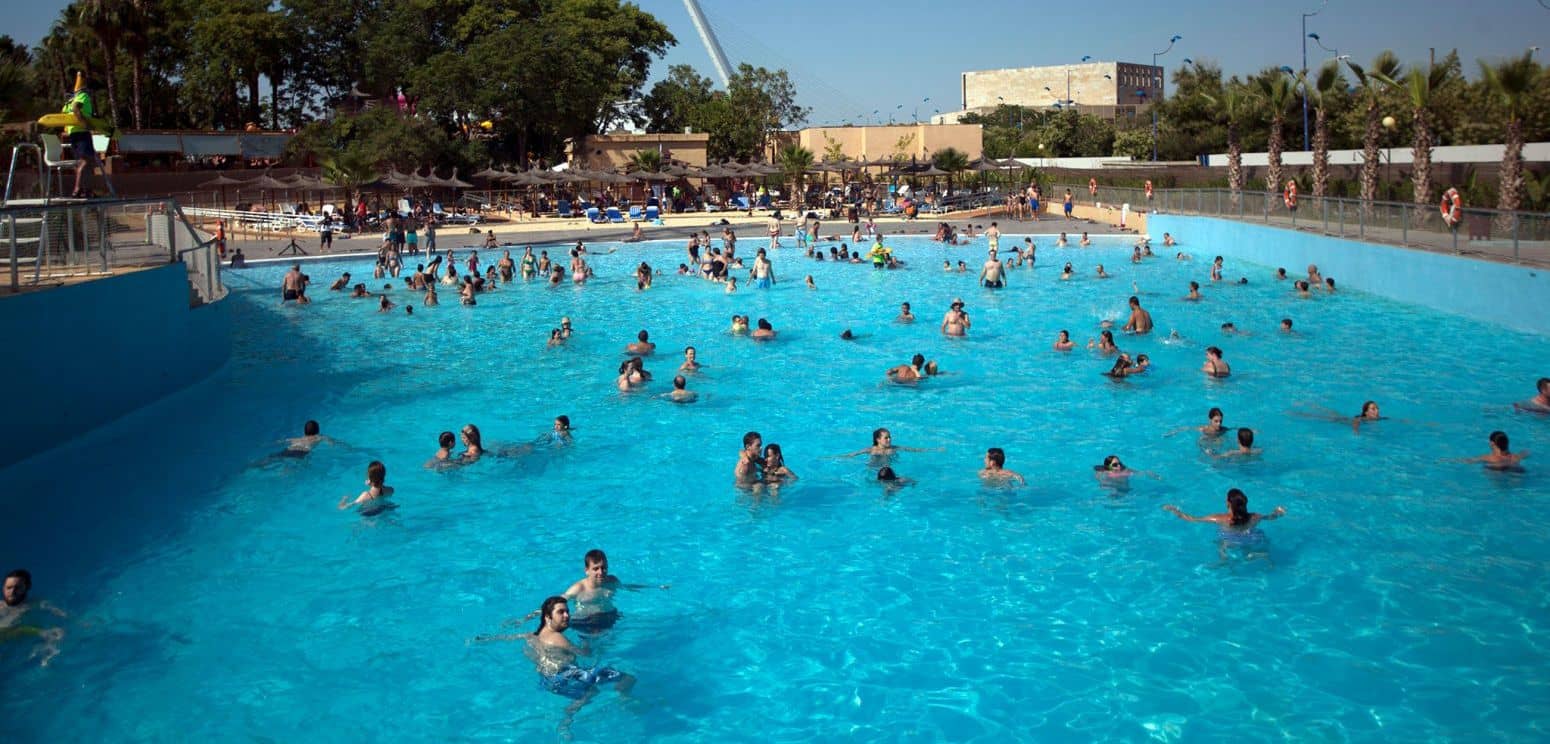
(172,243)
(1404,224)
(1341,205)
(1305,17)
(15,278)
(1361,222)
(1515,221)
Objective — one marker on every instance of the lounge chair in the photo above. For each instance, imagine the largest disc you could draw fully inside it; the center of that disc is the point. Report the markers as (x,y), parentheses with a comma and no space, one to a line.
(635,213)
(594,216)
(564,206)
(653,214)
(614,216)
(740,202)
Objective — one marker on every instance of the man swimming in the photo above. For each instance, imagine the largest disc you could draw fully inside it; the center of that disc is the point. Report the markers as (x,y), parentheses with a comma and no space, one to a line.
(995,470)
(555,658)
(292,285)
(905,316)
(750,463)
(1540,403)
(911,372)
(302,446)
(691,360)
(642,346)
(18,584)
(681,392)
(763,272)
(1501,457)
(1140,320)
(956,321)
(1245,448)
(990,274)
(594,593)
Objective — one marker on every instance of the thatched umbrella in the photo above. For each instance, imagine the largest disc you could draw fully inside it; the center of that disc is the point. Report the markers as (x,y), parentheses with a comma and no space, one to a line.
(221,182)
(458,183)
(269,183)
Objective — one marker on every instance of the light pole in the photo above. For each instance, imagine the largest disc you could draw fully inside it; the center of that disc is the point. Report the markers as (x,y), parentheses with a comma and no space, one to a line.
(915,115)
(1320,42)
(1155,55)
(1305,17)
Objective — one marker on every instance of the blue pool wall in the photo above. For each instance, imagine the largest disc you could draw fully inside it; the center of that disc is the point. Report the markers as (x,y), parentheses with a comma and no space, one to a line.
(82,355)
(1514,297)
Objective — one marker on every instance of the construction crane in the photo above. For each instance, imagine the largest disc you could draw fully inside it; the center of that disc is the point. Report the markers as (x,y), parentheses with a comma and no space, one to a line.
(708,36)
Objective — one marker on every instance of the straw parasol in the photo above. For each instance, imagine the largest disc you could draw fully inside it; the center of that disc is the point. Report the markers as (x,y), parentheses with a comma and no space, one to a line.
(221,181)
(458,183)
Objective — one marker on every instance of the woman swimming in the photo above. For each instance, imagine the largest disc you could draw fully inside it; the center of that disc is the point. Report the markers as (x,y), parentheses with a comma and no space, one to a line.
(1113,473)
(1105,343)
(1215,366)
(883,449)
(1238,526)
(1212,429)
(473,443)
(775,470)
(1063,342)
(1369,414)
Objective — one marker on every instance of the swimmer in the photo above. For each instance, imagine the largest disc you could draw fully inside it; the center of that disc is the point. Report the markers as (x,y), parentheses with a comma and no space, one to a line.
(431,298)
(1140,320)
(1194,293)
(1329,284)
(1215,366)
(641,346)
(1237,523)
(691,360)
(373,500)
(1211,430)
(763,272)
(750,466)
(955,322)
(1370,414)
(810,284)
(775,470)
(1245,448)
(1062,242)
(302,446)
(883,449)
(1540,403)
(1103,274)
(1063,342)
(739,324)
(992,236)
(15,607)
(1114,474)
(911,372)
(1302,289)
(1135,254)
(1231,329)
(1168,240)
(962,267)
(629,375)
(340,283)
(995,470)
(1314,277)
(555,339)
(731,284)
(1030,251)
(846,335)
(1105,343)
(385,305)
(1086,242)
(1286,326)
(359,292)
(991,273)
(891,481)
(555,659)
(947,265)
(472,442)
(1066,273)
(1182,256)
(444,441)
(764,331)
(681,393)
(1500,457)
(905,316)
(1121,366)
(1281,274)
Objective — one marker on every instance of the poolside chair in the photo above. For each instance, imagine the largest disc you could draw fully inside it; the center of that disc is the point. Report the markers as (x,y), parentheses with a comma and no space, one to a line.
(564,207)
(594,216)
(635,213)
(653,214)
(740,201)
(614,216)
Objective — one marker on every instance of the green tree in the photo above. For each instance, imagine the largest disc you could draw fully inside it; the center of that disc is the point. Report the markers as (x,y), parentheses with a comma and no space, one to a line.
(1420,86)
(1513,82)
(106,19)
(1135,144)
(952,160)
(644,160)
(794,161)
(1274,89)
(1321,93)
(1233,103)
(1371,83)
(767,100)
(18,86)
(677,100)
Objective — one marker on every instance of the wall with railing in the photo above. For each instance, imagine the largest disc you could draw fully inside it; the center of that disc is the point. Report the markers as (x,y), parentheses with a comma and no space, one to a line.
(1488,233)
(1504,294)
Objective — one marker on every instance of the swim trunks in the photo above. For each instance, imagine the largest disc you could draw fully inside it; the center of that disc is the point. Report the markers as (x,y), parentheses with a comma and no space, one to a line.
(290,294)
(993,285)
(574,682)
(763,283)
(596,622)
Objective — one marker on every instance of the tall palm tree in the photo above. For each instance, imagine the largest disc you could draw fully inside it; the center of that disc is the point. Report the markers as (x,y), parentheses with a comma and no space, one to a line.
(644,160)
(1385,66)
(1420,87)
(1233,103)
(106,20)
(794,161)
(1277,92)
(1512,82)
(1319,92)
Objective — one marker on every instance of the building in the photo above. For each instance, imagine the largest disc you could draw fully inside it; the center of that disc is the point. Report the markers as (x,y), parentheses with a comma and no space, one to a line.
(613,151)
(918,141)
(1108,89)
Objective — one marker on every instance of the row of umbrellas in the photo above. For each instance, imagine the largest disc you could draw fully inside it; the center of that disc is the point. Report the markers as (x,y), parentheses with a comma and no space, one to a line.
(267,182)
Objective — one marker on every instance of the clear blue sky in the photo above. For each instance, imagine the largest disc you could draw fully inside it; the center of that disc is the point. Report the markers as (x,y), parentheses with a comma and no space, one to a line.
(851,57)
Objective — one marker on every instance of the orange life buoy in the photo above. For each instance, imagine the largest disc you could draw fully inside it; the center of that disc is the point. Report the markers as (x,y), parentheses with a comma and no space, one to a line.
(1290,195)
(1452,207)
(1092,186)
(1149,189)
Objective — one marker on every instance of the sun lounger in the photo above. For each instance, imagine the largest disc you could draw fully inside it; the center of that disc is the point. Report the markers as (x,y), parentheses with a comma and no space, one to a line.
(635,213)
(653,214)
(740,202)
(564,206)
(614,216)
(594,216)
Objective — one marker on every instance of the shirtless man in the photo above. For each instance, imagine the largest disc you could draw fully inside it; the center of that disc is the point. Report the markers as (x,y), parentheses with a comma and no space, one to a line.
(750,460)
(1245,448)
(1501,457)
(908,372)
(1314,278)
(691,361)
(993,235)
(17,585)
(905,316)
(762,273)
(302,446)
(681,392)
(594,595)
(995,470)
(1140,320)
(956,321)
(991,273)
(293,285)
(1540,403)
(641,346)
(340,284)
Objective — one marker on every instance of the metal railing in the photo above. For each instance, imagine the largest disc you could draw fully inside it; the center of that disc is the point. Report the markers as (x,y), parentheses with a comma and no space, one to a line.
(50,242)
(1489,233)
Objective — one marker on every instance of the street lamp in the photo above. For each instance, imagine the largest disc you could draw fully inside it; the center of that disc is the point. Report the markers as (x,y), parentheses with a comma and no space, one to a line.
(1320,42)
(1305,17)
(1155,55)
(915,115)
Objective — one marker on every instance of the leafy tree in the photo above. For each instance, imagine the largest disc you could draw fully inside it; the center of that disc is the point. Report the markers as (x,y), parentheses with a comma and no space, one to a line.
(1275,90)
(1233,102)
(1320,93)
(1512,81)
(1135,144)
(952,160)
(767,100)
(794,161)
(106,19)
(1420,86)
(676,101)
(644,160)
(1385,66)
(17,85)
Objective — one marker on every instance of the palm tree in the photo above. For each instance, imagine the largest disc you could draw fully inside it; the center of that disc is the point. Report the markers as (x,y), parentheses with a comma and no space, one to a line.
(644,160)
(1276,90)
(1420,87)
(794,162)
(1384,67)
(951,160)
(106,20)
(1324,86)
(1232,105)
(138,25)
(1512,82)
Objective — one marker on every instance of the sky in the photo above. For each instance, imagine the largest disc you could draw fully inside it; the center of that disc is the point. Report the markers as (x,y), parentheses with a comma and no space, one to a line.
(849,58)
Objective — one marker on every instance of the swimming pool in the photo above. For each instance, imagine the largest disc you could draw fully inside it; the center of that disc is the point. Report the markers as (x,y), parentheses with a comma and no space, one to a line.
(213,596)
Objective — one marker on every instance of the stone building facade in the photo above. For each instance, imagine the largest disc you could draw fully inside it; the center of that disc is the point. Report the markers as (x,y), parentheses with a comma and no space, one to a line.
(1110,89)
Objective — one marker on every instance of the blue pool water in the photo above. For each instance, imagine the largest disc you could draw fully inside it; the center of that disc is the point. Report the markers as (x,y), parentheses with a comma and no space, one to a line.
(216,597)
